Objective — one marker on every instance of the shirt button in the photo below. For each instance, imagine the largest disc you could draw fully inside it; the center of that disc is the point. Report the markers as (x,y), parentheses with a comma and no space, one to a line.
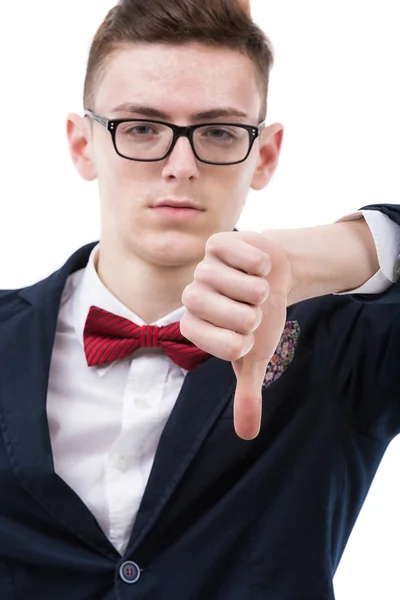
(129,572)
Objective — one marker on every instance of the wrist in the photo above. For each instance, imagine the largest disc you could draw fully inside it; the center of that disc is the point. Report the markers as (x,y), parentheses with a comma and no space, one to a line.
(327,259)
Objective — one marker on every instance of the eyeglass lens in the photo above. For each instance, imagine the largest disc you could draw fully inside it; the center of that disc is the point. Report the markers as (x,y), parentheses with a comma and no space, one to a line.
(152,141)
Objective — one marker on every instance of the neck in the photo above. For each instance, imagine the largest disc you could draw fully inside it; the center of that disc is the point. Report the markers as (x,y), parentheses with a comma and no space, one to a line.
(150,291)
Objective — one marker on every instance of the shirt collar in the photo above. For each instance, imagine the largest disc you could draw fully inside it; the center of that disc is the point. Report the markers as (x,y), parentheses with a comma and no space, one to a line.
(91,291)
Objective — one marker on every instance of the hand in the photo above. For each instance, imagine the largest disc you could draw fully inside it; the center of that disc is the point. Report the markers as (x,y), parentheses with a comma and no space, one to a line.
(236,311)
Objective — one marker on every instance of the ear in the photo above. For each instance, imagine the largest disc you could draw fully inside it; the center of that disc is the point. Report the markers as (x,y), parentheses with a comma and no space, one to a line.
(270,146)
(80,146)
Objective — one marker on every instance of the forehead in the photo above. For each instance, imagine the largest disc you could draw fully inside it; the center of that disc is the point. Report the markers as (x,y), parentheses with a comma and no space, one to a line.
(180,80)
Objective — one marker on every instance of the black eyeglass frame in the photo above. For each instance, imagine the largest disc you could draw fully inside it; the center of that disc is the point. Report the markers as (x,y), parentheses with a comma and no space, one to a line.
(178,131)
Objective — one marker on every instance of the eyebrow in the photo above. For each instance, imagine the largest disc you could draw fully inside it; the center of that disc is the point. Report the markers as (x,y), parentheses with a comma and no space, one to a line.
(148,111)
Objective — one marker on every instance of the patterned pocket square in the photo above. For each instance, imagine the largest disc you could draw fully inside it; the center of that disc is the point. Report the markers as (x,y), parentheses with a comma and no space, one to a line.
(284,353)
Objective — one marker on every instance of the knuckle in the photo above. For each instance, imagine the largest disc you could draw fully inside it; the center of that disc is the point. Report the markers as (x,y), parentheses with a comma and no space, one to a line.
(260,263)
(213,242)
(257,262)
(234,347)
(186,327)
(217,241)
(203,271)
(250,322)
(190,296)
(260,291)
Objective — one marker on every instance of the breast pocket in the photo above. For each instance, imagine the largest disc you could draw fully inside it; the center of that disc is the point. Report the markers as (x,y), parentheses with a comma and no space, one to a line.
(284,354)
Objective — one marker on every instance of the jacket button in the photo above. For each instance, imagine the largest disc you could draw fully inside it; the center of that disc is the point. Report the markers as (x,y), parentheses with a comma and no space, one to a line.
(129,572)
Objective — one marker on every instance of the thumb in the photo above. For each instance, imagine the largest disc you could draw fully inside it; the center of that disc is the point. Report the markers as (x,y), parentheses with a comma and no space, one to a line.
(250,369)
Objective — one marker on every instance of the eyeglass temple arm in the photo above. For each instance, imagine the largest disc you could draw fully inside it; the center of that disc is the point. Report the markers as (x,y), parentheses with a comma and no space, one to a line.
(94,117)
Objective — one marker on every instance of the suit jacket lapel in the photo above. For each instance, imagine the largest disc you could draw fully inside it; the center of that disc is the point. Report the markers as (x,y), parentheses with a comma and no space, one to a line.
(205,393)
(27,338)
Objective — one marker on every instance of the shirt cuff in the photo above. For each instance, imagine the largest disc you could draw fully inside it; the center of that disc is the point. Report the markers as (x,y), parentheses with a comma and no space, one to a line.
(386,234)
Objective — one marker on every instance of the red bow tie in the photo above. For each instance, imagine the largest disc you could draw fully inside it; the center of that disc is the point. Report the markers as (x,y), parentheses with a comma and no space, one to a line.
(108,337)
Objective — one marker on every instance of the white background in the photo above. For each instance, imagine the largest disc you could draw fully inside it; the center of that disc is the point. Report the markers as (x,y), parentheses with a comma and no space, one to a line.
(335,87)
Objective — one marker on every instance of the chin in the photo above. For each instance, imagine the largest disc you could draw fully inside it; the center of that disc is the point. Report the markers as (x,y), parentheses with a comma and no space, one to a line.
(173,248)
(176,257)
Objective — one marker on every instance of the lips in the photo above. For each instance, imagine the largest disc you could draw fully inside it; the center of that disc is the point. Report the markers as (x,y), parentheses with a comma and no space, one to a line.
(177,204)
(176,212)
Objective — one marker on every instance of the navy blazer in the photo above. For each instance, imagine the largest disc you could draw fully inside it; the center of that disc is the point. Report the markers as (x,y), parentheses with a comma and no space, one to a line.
(221,518)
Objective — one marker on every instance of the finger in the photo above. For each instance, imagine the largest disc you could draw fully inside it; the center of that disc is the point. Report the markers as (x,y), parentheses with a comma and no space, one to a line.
(250,369)
(223,312)
(232,283)
(222,343)
(248,401)
(240,255)
(250,372)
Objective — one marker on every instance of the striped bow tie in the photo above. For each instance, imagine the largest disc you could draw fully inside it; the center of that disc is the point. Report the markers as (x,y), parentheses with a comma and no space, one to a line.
(108,337)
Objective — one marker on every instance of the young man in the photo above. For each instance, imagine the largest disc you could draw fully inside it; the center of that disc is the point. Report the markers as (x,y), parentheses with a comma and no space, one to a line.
(121,472)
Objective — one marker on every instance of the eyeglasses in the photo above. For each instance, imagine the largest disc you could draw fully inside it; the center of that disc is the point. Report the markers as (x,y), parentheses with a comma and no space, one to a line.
(150,141)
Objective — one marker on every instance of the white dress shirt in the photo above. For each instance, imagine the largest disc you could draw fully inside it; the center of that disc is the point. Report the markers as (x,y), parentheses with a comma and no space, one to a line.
(387,242)
(105,422)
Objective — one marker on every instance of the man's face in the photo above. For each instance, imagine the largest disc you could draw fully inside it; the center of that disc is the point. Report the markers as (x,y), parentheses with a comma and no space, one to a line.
(179,82)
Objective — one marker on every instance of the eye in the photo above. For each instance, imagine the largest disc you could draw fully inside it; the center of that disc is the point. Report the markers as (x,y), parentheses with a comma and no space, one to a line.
(219,133)
(139,130)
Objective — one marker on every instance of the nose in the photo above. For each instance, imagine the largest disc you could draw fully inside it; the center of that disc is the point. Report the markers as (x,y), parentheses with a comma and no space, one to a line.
(181,163)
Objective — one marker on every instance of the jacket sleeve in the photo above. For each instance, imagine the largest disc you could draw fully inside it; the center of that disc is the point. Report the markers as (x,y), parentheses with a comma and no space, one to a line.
(355,358)
(368,369)
(392,294)
(390,210)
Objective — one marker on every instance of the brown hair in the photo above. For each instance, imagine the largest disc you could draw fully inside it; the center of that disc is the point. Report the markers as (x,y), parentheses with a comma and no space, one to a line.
(215,23)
